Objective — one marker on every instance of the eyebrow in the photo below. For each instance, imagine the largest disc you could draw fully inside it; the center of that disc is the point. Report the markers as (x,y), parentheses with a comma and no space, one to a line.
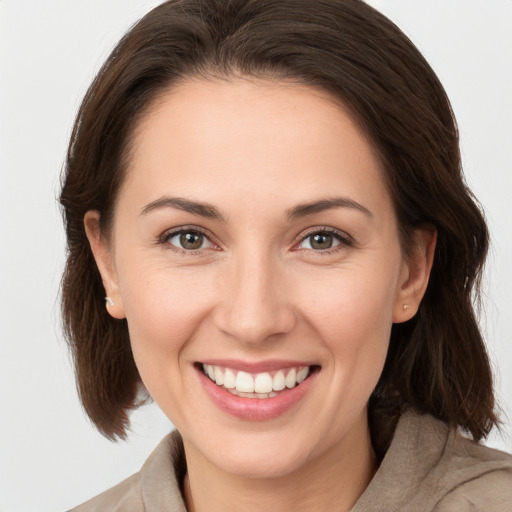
(210,212)
(195,207)
(305,209)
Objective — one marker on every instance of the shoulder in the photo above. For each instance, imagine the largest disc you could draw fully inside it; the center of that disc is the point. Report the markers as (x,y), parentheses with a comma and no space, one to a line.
(463,475)
(432,468)
(125,496)
(489,492)
(155,488)
(477,478)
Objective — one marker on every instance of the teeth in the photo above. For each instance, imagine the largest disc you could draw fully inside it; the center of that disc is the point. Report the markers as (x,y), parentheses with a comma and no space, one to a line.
(252,395)
(244,382)
(219,376)
(229,379)
(279,382)
(291,378)
(261,385)
(301,374)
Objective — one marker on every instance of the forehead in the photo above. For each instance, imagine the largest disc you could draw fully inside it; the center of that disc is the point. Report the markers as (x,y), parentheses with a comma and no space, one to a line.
(252,139)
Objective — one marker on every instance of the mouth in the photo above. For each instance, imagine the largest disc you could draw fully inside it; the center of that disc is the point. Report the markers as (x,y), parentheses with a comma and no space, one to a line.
(257,391)
(262,385)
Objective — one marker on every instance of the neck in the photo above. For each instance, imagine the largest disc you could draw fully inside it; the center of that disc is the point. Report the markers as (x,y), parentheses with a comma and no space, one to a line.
(338,477)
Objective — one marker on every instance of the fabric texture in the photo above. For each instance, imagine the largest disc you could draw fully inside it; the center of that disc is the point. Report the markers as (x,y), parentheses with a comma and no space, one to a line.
(428,468)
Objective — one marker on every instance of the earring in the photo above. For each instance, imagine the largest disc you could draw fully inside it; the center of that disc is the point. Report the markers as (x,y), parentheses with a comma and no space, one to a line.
(110,302)
(405,307)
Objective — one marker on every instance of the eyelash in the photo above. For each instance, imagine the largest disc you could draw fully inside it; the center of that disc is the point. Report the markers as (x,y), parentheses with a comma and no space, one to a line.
(168,235)
(343,239)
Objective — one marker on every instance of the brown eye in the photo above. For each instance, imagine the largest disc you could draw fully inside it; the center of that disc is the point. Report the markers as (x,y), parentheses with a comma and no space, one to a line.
(320,241)
(189,240)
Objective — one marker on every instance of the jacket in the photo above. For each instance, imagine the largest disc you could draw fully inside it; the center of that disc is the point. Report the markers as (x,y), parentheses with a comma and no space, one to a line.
(427,468)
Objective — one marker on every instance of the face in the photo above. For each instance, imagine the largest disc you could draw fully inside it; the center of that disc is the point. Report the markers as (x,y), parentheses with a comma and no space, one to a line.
(255,244)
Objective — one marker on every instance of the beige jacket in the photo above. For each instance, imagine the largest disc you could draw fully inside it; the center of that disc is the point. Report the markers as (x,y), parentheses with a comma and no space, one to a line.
(428,468)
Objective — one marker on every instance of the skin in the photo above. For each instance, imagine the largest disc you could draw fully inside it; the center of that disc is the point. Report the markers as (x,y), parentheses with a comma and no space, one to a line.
(257,289)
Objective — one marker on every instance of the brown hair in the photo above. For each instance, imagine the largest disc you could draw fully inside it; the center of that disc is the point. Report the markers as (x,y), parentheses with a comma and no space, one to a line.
(437,362)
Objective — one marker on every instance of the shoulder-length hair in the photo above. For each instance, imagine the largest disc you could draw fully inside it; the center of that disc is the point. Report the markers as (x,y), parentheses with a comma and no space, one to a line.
(437,362)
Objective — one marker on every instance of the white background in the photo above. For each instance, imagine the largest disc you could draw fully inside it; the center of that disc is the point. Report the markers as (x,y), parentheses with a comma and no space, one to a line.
(50,456)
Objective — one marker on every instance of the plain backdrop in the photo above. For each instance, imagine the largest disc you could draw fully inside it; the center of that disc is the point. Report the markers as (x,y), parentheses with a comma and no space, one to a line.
(51,458)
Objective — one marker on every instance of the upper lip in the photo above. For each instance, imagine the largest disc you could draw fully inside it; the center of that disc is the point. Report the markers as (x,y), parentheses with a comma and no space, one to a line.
(257,366)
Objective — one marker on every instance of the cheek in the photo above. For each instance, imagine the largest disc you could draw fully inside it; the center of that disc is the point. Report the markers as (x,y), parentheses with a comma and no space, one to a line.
(163,311)
(353,313)
(348,298)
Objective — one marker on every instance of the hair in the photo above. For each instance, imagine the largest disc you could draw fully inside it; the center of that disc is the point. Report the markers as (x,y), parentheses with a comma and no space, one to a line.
(437,362)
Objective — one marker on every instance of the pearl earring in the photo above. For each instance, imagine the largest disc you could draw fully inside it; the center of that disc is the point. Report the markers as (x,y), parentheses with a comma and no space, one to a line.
(405,307)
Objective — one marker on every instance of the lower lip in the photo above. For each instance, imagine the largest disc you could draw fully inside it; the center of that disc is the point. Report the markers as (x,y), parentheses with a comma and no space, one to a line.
(255,409)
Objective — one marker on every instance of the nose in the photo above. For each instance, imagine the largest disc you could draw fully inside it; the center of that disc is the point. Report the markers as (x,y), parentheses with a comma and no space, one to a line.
(254,305)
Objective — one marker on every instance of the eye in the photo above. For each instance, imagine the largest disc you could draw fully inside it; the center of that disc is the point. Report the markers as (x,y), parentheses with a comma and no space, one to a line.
(319,241)
(323,241)
(189,240)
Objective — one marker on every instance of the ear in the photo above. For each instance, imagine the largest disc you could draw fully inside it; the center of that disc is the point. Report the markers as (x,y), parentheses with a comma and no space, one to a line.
(105,262)
(416,273)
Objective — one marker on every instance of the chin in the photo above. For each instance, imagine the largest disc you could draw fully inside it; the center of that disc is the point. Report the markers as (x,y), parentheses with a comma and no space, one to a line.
(261,465)
(260,456)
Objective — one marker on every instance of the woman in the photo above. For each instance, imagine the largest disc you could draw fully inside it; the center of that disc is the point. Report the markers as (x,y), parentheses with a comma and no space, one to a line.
(269,195)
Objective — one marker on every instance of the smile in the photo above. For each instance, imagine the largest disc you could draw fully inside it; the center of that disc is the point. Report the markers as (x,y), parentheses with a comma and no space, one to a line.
(280,386)
(259,385)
